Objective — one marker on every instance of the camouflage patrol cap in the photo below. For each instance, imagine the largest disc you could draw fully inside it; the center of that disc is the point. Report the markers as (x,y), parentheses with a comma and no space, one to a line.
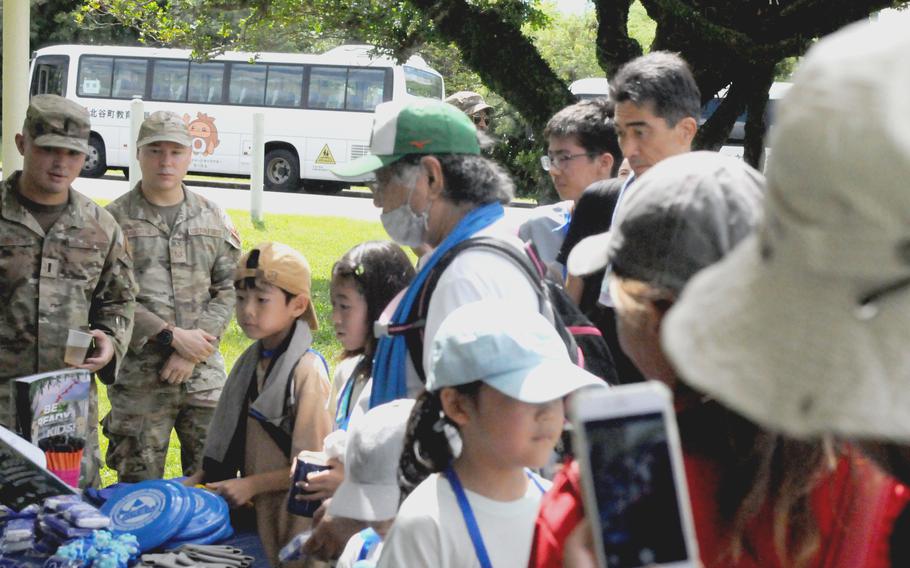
(468,102)
(164,126)
(56,122)
(281,266)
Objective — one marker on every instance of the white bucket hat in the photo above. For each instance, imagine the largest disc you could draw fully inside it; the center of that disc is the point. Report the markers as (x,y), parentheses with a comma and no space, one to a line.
(805,327)
(370,490)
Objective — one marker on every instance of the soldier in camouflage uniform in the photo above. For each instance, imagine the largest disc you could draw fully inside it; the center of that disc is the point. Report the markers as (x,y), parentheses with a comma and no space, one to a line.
(185,251)
(63,262)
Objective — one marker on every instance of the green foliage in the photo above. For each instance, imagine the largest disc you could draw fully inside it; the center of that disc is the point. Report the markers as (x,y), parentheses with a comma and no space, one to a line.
(519,151)
(323,240)
(641,27)
(568,43)
(57,21)
(785,68)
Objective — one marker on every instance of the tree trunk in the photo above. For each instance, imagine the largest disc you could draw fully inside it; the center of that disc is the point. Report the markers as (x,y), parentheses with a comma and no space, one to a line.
(756,127)
(614,46)
(502,56)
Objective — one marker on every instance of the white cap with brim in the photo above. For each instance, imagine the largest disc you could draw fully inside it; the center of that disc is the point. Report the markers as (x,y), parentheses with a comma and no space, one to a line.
(805,327)
(509,347)
(375,442)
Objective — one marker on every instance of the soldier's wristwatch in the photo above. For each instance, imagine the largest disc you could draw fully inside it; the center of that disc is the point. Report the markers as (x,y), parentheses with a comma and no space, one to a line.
(165,336)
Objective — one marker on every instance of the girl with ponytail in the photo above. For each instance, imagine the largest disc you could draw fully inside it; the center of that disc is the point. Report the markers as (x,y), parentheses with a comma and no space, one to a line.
(493,408)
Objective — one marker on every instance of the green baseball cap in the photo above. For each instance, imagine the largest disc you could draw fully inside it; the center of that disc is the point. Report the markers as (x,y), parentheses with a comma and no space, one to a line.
(413,127)
(164,126)
(55,122)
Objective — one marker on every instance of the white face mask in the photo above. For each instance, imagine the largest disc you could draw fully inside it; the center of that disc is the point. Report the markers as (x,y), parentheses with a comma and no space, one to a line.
(406,227)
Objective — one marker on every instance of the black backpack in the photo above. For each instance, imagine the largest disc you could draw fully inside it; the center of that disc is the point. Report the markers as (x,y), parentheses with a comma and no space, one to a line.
(584,342)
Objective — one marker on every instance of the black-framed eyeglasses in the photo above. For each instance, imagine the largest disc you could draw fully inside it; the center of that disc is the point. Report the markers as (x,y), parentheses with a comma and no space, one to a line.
(481,118)
(560,162)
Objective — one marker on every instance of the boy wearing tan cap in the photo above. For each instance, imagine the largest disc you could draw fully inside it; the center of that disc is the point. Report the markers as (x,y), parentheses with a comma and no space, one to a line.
(185,249)
(63,262)
(276,400)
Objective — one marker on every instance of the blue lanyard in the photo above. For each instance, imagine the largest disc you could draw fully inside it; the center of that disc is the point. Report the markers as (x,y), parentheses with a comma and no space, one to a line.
(370,539)
(468,514)
(342,411)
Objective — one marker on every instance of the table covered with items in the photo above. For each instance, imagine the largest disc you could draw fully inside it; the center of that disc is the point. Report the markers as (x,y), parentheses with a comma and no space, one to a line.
(44,522)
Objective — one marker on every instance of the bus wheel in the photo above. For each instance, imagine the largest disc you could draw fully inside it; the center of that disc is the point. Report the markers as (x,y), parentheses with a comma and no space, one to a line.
(324,187)
(96,162)
(282,171)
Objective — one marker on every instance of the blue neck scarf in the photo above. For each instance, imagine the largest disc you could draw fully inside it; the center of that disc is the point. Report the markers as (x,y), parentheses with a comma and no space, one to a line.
(389,381)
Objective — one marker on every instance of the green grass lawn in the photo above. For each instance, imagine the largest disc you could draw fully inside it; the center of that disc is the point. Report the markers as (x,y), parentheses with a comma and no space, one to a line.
(322,240)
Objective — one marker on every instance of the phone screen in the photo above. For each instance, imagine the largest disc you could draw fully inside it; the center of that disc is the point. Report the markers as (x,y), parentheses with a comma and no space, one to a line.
(636,496)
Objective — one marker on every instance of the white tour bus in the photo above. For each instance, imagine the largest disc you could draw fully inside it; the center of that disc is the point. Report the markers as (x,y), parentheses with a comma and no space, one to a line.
(318,108)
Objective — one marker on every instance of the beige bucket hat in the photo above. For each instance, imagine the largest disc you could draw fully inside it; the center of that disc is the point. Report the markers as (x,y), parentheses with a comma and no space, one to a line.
(805,327)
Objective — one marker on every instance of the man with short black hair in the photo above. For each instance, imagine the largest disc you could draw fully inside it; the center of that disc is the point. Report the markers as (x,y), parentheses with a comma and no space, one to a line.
(657,107)
(657,104)
(64,263)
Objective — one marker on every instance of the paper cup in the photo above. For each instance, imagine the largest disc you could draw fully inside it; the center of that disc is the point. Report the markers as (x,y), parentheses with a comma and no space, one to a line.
(77,345)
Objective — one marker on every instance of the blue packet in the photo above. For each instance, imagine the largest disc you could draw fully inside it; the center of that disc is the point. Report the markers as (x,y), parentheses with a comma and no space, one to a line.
(293,550)
(61,502)
(85,516)
(63,530)
(19,530)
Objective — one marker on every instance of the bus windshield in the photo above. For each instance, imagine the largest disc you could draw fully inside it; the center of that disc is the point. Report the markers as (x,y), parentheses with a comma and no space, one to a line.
(422,83)
(49,76)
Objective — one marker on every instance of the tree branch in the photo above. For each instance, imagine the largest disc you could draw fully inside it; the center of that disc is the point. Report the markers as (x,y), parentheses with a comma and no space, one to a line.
(493,48)
(716,129)
(753,145)
(614,46)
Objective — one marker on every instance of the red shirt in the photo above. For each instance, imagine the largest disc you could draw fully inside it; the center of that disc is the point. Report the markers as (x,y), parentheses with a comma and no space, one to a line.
(855,508)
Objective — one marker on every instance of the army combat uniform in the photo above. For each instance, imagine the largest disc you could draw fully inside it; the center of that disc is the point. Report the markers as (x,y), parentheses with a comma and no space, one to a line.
(77,274)
(185,274)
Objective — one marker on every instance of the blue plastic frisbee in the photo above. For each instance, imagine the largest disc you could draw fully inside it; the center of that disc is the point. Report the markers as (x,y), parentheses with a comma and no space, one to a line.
(154,511)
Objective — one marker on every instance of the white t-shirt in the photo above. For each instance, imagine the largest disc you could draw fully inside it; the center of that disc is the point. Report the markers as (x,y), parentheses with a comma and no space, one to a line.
(352,551)
(430,530)
(475,275)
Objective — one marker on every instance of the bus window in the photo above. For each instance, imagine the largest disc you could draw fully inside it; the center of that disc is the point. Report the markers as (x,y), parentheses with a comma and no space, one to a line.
(284,86)
(327,87)
(422,83)
(206,81)
(169,80)
(129,78)
(49,76)
(247,84)
(95,76)
(365,89)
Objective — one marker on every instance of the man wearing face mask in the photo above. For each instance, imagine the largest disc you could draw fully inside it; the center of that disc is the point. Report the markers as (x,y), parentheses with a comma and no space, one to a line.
(436,189)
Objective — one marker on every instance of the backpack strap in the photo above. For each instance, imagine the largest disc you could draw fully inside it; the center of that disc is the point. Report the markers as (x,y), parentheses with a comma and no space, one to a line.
(413,331)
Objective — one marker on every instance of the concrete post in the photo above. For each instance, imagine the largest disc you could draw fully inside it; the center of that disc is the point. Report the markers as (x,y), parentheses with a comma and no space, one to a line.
(137,115)
(16,24)
(258,167)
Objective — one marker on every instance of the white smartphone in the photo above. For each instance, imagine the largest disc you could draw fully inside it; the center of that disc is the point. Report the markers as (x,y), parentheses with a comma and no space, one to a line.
(636,499)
